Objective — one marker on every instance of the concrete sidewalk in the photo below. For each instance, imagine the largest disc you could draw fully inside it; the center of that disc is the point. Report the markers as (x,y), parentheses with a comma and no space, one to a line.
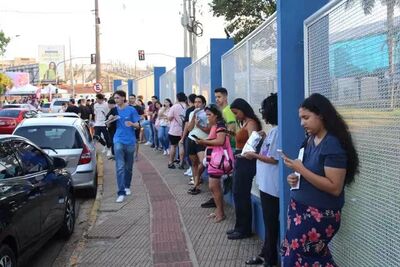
(160,224)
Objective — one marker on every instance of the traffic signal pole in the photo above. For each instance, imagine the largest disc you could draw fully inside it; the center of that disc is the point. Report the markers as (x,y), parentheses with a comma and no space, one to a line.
(97,24)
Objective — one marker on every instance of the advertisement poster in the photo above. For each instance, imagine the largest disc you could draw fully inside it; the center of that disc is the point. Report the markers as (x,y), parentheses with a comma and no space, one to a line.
(51,63)
(19,79)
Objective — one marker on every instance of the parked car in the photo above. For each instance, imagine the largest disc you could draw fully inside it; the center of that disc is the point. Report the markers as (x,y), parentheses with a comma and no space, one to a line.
(11,117)
(57,103)
(58,115)
(67,138)
(36,199)
(24,106)
(45,108)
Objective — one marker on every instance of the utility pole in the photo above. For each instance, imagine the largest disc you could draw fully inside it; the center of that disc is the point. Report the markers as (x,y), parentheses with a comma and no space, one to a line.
(70,69)
(97,23)
(194,42)
(185,32)
(190,21)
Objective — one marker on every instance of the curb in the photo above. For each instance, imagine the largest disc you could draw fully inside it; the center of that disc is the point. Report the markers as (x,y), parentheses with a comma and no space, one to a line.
(80,246)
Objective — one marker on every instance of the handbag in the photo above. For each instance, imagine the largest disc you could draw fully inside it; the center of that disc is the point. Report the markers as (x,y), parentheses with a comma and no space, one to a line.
(220,159)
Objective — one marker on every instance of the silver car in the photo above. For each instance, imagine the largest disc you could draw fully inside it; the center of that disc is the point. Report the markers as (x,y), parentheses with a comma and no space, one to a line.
(67,138)
(58,115)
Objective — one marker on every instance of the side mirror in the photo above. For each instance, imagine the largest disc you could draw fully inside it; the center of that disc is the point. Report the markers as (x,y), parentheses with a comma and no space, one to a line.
(59,163)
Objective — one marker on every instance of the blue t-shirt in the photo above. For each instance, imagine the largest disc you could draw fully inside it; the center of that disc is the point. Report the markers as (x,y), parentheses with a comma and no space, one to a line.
(126,135)
(328,153)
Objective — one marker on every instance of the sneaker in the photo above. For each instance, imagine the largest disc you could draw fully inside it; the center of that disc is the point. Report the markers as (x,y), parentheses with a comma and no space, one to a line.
(128,191)
(188,172)
(191,181)
(171,166)
(194,191)
(104,150)
(109,153)
(165,152)
(152,146)
(120,199)
(208,204)
(148,143)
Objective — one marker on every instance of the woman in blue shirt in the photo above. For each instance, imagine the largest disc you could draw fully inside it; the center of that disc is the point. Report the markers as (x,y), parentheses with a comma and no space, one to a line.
(329,162)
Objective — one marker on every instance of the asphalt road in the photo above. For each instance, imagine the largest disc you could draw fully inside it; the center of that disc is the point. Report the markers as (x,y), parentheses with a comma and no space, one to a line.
(57,252)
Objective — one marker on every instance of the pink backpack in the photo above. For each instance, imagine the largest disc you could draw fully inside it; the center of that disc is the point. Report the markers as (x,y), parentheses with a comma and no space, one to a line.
(220,159)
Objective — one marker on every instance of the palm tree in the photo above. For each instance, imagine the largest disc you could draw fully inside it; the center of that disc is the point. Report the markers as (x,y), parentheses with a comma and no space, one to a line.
(368,6)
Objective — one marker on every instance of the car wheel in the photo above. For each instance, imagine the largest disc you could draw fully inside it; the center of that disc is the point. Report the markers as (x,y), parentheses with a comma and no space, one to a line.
(7,257)
(68,225)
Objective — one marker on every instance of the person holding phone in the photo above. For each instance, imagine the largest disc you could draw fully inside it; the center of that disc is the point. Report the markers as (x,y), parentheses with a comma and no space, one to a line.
(198,129)
(267,178)
(330,162)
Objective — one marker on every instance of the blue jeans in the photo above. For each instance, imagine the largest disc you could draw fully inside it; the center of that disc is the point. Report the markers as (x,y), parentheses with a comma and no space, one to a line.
(148,134)
(155,135)
(124,164)
(163,137)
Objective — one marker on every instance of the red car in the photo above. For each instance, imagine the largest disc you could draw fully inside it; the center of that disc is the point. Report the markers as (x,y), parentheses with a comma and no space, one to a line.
(11,117)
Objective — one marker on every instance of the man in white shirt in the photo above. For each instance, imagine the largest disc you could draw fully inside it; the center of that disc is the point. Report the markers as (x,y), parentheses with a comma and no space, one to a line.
(100,111)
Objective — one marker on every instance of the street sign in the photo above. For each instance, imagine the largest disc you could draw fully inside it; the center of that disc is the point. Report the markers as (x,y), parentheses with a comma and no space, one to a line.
(98,87)
(92,58)
(141,54)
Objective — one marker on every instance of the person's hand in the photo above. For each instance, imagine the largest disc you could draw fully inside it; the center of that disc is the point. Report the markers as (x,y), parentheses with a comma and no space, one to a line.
(199,141)
(110,117)
(132,124)
(292,179)
(197,122)
(181,141)
(250,155)
(294,164)
(262,134)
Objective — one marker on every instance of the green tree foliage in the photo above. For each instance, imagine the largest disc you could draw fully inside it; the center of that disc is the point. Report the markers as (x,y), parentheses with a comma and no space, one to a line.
(3,42)
(243,16)
(5,82)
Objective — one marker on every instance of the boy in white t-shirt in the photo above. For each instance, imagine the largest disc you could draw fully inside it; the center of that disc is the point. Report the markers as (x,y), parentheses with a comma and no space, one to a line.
(100,112)
(267,178)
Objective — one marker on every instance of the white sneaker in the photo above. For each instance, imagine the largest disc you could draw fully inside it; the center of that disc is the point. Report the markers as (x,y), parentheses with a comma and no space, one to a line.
(109,153)
(128,191)
(148,143)
(188,172)
(191,181)
(120,199)
(104,150)
(165,152)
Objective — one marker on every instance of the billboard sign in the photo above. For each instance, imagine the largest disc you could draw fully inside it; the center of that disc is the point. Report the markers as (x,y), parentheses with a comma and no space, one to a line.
(50,57)
(19,79)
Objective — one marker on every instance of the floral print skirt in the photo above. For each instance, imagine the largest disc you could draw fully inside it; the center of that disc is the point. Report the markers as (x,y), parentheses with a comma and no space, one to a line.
(309,231)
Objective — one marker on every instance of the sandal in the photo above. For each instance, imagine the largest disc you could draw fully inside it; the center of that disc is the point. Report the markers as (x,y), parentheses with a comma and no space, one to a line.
(255,261)
(218,220)
(194,191)
(211,216)
(171,166)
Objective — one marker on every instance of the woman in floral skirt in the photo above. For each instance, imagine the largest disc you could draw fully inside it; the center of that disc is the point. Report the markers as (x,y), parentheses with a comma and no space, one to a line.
(329,162)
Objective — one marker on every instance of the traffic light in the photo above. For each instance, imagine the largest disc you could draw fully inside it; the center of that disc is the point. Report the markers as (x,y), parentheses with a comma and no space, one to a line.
(141,54)
(92,58)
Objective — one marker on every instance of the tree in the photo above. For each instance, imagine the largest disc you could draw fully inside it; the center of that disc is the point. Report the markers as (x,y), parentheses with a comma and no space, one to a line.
(368,6)
(3,42)
(5,82)
(243,16)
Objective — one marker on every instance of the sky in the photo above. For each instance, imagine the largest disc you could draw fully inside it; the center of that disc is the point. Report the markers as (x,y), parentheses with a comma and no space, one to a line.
(126,26)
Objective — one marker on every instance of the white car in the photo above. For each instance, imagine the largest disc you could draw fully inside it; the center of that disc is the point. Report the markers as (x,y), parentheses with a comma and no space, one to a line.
(67,138)
(25,106)
(57,103)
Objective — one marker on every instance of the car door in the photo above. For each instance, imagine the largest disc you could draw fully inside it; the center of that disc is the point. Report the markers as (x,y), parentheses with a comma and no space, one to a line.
(20,198)
(35,165)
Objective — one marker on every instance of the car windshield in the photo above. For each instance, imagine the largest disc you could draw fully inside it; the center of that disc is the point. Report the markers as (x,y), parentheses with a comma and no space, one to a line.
(59,103)
(9,113)
(11,106)
(56,137)
(46,105)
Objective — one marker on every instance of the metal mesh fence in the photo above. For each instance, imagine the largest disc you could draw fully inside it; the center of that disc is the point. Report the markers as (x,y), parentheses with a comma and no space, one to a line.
(145,87)
(168,85)
(352,58)
(198,77)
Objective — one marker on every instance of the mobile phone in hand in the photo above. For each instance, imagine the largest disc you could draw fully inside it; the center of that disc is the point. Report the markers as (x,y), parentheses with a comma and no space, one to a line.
(280,152)
(195,137)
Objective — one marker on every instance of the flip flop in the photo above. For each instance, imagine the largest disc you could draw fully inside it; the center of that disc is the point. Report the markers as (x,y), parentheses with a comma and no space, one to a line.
(254,261)
(211,216)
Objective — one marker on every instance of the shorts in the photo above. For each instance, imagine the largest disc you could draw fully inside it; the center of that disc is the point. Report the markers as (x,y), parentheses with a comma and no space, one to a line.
(194,148)
(137,133)
(174,140)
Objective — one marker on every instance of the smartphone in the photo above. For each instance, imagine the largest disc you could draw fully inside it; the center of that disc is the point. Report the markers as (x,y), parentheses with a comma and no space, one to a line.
(280,152)
(195,136)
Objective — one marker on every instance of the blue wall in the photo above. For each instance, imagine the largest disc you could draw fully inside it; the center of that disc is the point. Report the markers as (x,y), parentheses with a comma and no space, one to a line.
(290,18)
(181,64)
(116,83)
(158,71)
(218,47)
(131,86)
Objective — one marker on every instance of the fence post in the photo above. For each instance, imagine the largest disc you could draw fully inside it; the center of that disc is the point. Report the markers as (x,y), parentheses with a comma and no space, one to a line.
(181,64)
(290,19)
(116,83)
(218,47)
(158,71)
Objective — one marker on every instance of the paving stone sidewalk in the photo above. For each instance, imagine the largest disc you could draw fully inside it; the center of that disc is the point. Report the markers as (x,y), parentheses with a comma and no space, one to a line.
(160,224)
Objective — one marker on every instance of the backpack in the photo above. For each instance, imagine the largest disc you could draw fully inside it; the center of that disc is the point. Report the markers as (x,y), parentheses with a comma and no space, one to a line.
(220,159)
